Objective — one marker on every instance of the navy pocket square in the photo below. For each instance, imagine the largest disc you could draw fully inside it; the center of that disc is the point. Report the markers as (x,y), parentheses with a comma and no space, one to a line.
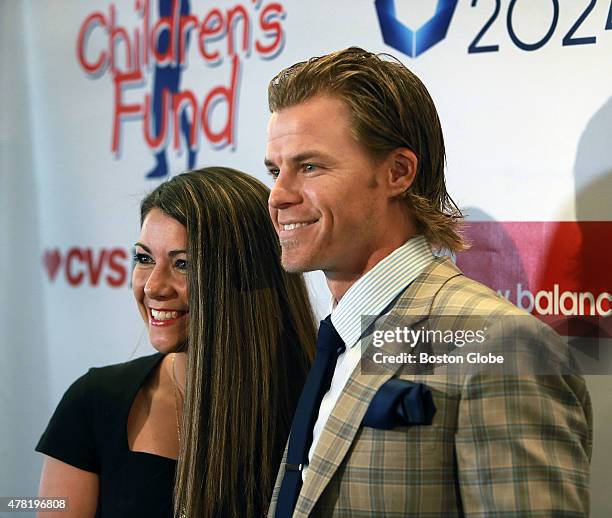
(400,403)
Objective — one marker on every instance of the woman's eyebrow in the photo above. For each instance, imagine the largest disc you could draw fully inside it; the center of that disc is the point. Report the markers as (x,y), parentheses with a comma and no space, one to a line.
(145,247)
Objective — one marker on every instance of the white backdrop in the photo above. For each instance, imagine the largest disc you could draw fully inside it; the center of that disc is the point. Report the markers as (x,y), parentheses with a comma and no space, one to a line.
(528,129)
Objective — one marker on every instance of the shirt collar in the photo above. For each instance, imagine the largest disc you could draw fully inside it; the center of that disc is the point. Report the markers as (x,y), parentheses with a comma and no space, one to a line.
(375,290)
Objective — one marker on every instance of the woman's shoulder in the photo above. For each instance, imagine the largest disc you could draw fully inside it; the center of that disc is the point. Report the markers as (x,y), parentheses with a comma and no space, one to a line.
(87,423)
(121,373)
(142,363)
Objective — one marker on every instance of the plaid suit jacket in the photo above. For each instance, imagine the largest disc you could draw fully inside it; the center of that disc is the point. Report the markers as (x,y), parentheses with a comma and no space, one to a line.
(498,446)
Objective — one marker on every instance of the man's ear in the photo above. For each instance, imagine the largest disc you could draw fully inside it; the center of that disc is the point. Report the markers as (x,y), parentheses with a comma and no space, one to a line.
(401,170)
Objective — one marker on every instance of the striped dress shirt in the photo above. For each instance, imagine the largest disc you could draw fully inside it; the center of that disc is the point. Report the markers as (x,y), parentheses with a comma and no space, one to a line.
(371,295)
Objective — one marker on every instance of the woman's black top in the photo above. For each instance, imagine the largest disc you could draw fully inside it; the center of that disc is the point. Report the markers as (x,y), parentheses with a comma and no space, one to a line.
(89,431)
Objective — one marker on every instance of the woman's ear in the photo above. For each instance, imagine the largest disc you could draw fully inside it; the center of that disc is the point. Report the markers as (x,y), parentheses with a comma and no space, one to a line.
(402,170)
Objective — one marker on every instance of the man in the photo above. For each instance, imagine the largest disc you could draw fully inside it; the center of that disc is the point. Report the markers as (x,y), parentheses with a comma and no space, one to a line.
(357,153)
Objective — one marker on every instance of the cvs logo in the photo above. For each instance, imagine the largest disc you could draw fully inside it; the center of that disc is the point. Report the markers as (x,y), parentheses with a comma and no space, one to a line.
(88,266)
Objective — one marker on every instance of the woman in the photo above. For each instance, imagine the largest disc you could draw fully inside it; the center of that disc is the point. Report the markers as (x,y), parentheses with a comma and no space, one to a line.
(235,335)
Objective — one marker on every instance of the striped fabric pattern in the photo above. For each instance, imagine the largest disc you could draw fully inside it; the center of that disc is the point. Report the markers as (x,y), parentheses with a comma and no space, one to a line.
(373,292)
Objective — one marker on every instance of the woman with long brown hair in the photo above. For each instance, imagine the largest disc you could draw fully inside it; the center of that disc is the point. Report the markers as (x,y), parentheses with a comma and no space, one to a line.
(235,335)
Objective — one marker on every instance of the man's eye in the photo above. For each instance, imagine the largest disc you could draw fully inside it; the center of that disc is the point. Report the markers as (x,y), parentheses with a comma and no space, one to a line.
(309,168)
(181,264)
(143,259)
(273,173)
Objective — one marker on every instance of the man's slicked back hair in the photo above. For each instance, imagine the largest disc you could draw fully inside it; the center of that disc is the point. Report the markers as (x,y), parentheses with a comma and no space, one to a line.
(390,108)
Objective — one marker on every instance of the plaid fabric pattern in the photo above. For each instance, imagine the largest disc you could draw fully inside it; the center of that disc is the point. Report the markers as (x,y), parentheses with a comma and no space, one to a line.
(499,446)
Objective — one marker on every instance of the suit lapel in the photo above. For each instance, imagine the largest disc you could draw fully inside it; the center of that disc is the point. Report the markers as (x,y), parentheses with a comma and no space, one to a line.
(413,306)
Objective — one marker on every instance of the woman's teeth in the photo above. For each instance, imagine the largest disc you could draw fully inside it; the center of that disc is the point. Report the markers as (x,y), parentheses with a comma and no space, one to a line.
(164,315)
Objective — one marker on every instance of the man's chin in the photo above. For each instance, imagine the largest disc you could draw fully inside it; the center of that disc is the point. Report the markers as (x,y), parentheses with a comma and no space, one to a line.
(297,268)
(297,265)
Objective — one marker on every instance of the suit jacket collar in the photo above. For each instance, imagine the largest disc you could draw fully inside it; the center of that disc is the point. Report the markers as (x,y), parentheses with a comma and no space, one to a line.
(413,306)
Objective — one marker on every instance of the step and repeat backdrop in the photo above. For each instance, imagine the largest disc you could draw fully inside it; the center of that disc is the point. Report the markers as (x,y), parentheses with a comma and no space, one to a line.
(103,100)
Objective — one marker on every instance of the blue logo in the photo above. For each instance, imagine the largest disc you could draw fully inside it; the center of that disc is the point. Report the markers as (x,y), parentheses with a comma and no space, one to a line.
(410,42)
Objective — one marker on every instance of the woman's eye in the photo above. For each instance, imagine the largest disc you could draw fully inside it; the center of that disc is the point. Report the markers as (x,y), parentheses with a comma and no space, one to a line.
(143,259)
(181,264)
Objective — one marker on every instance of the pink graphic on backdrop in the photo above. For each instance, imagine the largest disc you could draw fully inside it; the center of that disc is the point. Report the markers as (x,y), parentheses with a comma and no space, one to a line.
(554,270)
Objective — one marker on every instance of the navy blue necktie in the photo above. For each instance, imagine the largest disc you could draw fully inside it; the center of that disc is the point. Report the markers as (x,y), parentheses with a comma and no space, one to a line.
(329,347)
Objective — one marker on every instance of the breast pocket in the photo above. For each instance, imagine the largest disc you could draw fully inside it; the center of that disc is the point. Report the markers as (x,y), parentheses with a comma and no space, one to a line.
(407,469)
(412,447)
(399,444)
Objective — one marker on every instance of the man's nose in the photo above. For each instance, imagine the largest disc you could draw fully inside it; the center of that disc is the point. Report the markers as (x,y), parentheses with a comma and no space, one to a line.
(285,192)
(158,285)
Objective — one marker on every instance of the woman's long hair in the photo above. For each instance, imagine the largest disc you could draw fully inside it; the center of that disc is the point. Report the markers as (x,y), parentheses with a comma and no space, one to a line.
(250,342)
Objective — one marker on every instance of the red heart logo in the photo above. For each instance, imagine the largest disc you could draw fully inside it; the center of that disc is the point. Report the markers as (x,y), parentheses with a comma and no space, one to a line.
(52,260)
